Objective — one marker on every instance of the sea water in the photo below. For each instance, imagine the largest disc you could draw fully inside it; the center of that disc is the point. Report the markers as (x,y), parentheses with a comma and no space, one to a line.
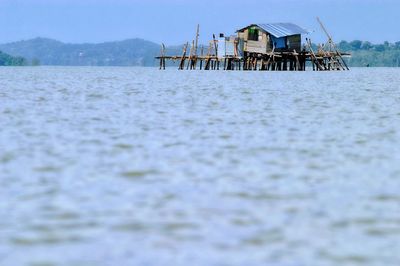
(135,166)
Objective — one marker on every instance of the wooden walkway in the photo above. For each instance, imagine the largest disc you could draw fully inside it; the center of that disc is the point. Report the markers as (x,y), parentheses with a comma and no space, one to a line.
(277,61)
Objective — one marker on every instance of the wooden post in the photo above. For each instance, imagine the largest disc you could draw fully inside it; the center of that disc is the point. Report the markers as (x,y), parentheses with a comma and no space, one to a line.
(291,66)
(190,56)
(314,58)
(162,57)
(330,40)
(201,60)
(183,58)
(196,47)
(216,50)
(208,58)
(298,67)
(164,53)
(268,64)
(248,63)
(285,63)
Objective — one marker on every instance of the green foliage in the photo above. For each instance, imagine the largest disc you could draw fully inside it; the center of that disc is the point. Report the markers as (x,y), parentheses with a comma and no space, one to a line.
(356,45)
(8,60)
(366,46)
(35,62)
(374,55)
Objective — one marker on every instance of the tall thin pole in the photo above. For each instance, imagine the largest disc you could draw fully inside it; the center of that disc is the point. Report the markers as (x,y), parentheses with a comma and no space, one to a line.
(330,40)
(197,39)
(216,49)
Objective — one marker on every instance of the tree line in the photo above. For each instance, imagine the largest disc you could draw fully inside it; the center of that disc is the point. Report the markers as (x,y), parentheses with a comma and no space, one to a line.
(365,53)
(8,60)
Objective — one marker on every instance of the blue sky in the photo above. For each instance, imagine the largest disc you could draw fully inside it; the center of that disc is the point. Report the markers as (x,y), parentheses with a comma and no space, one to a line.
(174,21)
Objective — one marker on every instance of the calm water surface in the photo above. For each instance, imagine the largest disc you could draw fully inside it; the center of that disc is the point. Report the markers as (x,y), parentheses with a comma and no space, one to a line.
(133,166)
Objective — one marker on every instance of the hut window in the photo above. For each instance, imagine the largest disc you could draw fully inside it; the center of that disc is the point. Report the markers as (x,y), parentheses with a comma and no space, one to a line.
(253,34)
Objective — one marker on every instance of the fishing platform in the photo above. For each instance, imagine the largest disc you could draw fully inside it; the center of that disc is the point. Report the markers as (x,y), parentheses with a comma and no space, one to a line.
(264,47)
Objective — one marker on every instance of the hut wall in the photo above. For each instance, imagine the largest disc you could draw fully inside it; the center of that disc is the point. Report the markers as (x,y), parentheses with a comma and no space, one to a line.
(230,46)
(241,47)
(256,47)
(221,47)
(294,42)
(261,46)
(279,43)
(226,46)
(246,34)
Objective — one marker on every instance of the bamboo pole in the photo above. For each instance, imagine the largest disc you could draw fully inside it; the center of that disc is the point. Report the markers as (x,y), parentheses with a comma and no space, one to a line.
(208,57)
(162,57)
(189,64)
(330,40)
(297,60)
(183,58)
(216,49)
(196,47)
(201,60)
(313,57)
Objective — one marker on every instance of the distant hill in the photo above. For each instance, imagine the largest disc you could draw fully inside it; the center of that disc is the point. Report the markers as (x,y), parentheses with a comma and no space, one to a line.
(133,52)
(8,60)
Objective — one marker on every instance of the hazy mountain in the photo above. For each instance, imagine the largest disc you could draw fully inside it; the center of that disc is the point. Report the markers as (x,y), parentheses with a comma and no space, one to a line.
(133,52)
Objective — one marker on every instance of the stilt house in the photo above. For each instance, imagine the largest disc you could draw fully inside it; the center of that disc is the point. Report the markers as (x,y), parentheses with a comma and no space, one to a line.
(265,47)
(263,38)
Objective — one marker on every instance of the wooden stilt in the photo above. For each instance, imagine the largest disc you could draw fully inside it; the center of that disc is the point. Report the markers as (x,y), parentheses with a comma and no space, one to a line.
(284,63)
(162,57)
(297,67)
(183,58)
(201,60)
(216,49)
(189,64)
(208,58)
(194,65)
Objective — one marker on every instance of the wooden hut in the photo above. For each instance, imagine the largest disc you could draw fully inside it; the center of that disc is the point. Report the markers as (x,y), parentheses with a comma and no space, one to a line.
(263,38)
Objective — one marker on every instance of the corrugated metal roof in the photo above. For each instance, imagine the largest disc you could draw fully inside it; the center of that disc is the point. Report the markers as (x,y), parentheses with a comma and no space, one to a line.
(281,29)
